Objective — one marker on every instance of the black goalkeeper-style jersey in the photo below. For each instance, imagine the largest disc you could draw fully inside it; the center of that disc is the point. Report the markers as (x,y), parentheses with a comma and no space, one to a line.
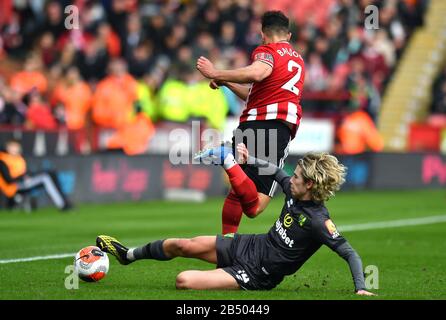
(301,229)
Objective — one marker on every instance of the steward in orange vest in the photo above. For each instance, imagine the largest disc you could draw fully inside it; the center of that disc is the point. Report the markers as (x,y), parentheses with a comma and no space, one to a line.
(12,169)
(14,178)
(357,133)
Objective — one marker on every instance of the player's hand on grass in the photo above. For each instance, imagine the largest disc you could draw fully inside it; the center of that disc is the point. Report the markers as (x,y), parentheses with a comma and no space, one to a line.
(206,67)
(365,293)
(243,153)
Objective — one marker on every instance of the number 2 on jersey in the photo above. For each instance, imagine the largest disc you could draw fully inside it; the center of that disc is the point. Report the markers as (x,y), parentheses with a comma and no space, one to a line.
(290,85)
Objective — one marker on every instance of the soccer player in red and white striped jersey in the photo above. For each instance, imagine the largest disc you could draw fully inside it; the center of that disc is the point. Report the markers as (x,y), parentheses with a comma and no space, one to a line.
(276,78)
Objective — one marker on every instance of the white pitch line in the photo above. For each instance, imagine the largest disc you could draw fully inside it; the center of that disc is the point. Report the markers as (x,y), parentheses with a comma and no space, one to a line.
(393,223)
(50,257)
(352,227)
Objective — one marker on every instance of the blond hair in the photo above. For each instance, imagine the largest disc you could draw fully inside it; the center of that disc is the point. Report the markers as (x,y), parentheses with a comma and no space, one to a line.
(326,172)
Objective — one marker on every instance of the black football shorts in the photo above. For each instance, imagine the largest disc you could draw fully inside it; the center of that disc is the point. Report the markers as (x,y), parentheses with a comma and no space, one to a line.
(239,256)
(256,136)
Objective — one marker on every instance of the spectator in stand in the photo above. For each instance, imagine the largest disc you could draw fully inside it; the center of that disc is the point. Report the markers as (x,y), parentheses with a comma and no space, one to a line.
(157,31)
(30,78)
(93,60)
(19,31)
(411,12)
(173,95)
(135,34)
(380,58)
(316,73)
(73,96)
(54,19)
(67,56)
(348,12)
(390,22)
(3,88)
(174,40)
(117,14)
(38,115)
(47,49)
(332,32)
(185,56)
(133,137)
(227,37)
(204,43)
(140,59)
(357,134)
(363,93)
(110,38)
(439,94)
(209,18)
(6,10)
(146,95)
(157,36)
(115,96)
(12,109)
(440,100)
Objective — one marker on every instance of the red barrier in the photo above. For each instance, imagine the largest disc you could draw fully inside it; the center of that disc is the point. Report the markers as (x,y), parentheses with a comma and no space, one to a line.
(424,137)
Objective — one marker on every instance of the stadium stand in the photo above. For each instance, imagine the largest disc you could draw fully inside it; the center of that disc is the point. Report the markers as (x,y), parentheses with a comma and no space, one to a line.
(348,65)
(407,99)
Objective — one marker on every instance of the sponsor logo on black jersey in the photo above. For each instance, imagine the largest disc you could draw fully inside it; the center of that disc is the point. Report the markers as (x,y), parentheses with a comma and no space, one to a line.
(332,229)
(283,235)
(301,220)
(287,220)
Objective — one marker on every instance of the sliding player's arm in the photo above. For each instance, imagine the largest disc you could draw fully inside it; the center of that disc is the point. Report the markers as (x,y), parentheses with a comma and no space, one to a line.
(327,233)
(346,252)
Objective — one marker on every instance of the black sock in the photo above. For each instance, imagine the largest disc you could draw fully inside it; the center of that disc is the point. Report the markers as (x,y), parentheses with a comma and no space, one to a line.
(153,250)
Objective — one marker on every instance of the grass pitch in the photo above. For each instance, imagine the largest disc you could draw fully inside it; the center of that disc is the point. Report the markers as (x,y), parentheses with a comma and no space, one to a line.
(411,259)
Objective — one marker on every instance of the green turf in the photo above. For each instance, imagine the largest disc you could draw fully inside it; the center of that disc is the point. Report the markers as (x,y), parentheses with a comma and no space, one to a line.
(411,260)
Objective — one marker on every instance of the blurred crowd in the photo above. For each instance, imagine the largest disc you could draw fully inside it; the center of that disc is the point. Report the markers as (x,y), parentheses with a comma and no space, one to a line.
(128,60)
(439,94)
(437,116)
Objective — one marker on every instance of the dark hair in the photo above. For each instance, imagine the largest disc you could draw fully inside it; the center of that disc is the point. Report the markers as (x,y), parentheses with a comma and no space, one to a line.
(275,22)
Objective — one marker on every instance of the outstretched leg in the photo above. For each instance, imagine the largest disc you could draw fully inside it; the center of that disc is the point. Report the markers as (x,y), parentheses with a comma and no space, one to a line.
(206,280)
(203,248)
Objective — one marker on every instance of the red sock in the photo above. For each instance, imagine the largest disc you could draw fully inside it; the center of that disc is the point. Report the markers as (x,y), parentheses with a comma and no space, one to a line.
(231,214)
(245,189)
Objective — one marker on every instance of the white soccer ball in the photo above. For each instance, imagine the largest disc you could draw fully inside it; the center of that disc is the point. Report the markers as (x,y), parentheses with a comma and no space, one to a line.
(91,264)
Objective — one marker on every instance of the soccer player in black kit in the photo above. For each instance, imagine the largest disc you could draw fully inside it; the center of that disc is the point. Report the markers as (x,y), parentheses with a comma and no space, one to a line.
(261,261)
